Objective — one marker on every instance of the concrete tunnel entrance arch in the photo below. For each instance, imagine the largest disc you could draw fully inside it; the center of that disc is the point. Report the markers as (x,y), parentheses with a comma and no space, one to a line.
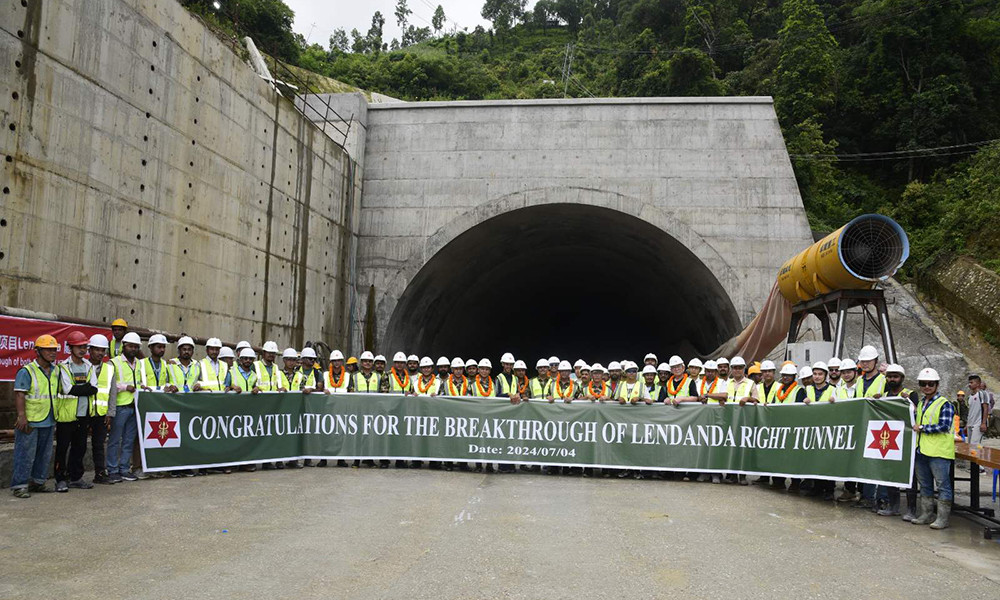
(572,280)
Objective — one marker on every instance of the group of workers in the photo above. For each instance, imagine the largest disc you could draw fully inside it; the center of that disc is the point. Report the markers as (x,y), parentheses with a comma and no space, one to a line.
(91,394)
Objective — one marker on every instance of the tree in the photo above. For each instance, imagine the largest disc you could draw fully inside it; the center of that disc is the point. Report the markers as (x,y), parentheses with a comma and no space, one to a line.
(267,22)
(437,21)
(571,12)
(804,78)
(402,13)
(503,13)
(358,43)
(339,41)
(373,41)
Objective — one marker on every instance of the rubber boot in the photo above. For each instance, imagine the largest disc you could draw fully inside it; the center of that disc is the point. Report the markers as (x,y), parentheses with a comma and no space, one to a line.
(911,507)
(926,515)
(943,514)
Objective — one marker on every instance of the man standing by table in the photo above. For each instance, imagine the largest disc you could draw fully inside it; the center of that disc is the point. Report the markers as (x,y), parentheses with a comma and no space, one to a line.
(935,451)
(980,405)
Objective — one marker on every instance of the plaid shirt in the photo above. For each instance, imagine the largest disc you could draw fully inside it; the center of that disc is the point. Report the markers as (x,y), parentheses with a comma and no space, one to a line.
(944,420)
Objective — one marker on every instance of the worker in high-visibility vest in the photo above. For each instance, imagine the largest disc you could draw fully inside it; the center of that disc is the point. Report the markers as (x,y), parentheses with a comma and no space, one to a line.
(834,374)
(97,417)
(871,383)
(36,387)
(821,392)
(336,379)
(123,425)
(242,378)
(506,382)
(847,386)
(398,381)
(77,383)
(154,375)
(443,368)
(183,370)
(413,365)
(538,388)
(935,451)
(308,377)
(740,389)
(521,375)
(768,387)
(786,391)
(118,330)
(379,366)
(680,387)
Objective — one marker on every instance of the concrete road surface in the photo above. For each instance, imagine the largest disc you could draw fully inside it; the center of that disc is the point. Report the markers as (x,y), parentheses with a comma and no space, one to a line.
(368,533)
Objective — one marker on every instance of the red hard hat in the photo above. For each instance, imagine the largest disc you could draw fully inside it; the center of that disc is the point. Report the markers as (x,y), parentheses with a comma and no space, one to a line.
(77,338)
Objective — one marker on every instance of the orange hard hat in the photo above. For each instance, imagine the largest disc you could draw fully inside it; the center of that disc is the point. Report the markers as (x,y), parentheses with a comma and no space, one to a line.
(46,341)
(77,338)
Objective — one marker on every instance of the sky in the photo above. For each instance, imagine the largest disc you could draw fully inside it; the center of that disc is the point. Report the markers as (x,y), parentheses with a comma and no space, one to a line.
(328,15)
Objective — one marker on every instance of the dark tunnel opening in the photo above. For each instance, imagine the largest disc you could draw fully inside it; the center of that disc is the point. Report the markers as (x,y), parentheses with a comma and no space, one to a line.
(572,280)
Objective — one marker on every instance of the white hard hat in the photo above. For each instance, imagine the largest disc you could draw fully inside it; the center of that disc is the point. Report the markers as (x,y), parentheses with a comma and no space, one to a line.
(187,341)
(767,365)
(507,358)
(894,368)
(486,363)
(226,352)
(542,362)
(649,356)
(711,365)
(242,344)
(722,360)
(579,363)
(614,366)
(598,368)
(821,366)
(157,338)
(675,361)
(457,363)
(738,362)
(336,355)
(270,346)
(868,353)
(789,369)
(695,362)
(649,369)
(565,366)
(213,343)
(553,360)
(584,367)
(367,355)
(848,365)
(805,373)
(519,364)
(413,357)
(131,338)
(663,367)
(398,357)
(98,341)
(833,363)
(308,353)
(379,357)
(630,366)
(443,362)
(426,362)
(471,363)
(928,374)
(289,353)
(248,353)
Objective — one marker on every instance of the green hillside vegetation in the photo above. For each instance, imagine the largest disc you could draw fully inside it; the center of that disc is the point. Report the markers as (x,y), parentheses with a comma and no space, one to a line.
(886,105)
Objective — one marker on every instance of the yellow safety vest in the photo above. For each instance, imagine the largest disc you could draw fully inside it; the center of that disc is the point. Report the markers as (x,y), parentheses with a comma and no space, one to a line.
(270,380)
(65,405)
(769,397)
(940,445)
(210,378)
(790,393)
(877,386)
(736,391)
(702,389)
(115,349)
(99,403)
(366,385)
(506,387)
(394,386)
(418,387)
(823,397)
(127,375)
(539,389)
(43,392)
(629,392)
(245,384)
(301,381)
(148,374)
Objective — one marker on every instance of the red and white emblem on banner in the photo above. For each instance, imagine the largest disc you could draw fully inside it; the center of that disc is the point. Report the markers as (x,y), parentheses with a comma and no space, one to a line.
(884,440)
(162,430)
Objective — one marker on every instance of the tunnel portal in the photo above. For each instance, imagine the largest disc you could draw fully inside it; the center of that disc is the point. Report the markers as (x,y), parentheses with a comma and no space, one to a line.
(573,280)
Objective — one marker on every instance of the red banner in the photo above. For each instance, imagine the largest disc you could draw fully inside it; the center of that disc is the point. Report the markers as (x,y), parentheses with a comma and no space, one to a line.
(17,341)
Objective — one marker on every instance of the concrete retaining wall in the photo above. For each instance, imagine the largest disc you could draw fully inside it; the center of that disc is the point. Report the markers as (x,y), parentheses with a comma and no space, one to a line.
(148,173)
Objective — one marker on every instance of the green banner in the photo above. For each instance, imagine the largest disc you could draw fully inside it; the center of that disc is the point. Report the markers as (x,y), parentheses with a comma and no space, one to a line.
(865,440)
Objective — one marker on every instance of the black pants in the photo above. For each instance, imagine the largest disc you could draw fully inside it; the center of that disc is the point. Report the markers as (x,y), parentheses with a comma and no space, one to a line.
(71,439)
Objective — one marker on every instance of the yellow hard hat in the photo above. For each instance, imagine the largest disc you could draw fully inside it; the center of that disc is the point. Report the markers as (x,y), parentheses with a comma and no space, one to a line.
(960,392)
(46,341)
(754,368)
(119,322)
(352,361)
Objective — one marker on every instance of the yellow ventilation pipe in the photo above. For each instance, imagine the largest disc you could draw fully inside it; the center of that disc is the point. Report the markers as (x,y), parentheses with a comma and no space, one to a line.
(868,249)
